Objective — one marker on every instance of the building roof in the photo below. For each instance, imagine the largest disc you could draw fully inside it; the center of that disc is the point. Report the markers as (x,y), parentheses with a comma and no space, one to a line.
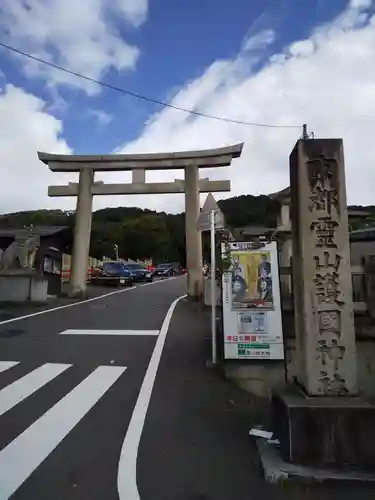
(280,195)
(355,212)
(42,231)
(363,230)
(284,194)
(364,234)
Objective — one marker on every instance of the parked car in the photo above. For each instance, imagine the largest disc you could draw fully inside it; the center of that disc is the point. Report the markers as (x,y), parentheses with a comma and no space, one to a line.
(177,268)
(111,273)
(164,270)
(138,272)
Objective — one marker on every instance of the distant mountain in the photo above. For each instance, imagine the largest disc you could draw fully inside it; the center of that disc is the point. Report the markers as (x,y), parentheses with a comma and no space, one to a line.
(149,234)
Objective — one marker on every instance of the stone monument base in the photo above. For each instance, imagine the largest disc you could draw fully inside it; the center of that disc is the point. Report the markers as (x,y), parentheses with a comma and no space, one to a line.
(22,287)
(332,432)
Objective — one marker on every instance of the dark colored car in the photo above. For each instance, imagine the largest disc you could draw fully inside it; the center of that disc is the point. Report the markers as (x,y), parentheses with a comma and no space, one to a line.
(164,270)
(177,268)
(111,273)
(139,273)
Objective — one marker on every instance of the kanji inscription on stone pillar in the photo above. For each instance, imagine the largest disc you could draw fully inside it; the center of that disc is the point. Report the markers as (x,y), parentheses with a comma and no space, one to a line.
(322,284)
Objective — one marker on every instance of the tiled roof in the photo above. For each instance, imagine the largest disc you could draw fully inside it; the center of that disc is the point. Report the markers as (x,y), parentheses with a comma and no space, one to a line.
(40,230)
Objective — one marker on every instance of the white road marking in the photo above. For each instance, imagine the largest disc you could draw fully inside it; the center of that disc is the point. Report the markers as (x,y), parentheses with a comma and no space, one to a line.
(5,365)
(110,332)
(45,311)
(25,453)
(22,388)
(127,468)
(160,281)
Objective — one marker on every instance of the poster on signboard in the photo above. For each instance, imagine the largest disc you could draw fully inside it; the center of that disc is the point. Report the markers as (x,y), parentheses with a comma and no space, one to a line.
(252,322)
(251,280)
(251,303)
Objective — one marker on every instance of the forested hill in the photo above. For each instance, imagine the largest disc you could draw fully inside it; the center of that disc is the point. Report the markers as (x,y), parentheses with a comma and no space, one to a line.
(145,233)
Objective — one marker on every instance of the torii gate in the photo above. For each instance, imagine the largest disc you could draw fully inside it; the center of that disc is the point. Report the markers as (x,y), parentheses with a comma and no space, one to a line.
(86,188)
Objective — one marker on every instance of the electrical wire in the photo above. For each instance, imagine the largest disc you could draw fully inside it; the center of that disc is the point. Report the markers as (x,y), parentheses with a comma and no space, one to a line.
(140,96)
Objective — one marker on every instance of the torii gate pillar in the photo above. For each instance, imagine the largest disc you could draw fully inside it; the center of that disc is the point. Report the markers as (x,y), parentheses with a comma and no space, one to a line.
(193,235)
(82,233)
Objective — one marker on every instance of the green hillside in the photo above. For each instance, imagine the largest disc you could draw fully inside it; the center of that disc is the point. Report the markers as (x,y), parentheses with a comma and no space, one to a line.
(149,234)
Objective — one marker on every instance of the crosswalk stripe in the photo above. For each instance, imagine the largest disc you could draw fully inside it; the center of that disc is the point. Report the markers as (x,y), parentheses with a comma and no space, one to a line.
(25,453)
(5,365)
(22,388)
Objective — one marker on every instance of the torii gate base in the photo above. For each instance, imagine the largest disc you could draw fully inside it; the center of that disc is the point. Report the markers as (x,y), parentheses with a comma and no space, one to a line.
(190,161)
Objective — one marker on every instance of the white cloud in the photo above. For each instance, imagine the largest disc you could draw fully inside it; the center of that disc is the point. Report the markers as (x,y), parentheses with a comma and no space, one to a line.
(259,41)
(360,4)
(134,10)
(326,81)
(29,128)
(302,48)
(84,38)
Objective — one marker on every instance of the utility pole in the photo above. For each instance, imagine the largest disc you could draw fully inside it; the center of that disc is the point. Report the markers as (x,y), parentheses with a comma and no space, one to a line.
(305,134)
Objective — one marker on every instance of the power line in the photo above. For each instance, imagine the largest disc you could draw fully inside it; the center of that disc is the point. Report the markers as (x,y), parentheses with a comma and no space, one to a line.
(140,96)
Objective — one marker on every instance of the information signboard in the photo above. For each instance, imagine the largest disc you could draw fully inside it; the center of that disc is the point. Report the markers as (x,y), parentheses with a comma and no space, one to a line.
(251,303)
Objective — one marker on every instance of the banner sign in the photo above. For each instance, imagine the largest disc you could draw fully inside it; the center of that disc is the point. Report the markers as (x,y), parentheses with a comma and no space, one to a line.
(251,302)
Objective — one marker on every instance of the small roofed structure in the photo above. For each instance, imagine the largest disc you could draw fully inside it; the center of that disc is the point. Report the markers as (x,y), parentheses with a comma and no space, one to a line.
(363,234)
(283,197)
(362,242)
(283,233)
(54,241)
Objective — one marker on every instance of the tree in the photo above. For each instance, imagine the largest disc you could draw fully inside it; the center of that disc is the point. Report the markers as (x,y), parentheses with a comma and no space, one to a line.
(145,237)
(160,236)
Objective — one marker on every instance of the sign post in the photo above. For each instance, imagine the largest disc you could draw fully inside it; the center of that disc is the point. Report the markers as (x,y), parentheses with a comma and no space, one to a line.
(210,219)
(213,286)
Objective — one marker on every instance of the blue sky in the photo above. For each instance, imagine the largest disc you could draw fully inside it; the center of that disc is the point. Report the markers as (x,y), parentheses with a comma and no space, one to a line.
(215,56)
(177,42)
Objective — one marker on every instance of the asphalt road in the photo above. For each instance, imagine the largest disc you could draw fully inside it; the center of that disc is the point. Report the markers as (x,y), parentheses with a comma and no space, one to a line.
(74,383)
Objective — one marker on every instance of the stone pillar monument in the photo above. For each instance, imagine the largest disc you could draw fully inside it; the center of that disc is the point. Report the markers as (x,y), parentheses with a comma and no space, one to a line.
(82,232)
(320,420)
(193,235)
(322,284)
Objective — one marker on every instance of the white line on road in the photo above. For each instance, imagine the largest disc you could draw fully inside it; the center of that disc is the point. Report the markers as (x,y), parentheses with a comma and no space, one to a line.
(5,365)
(127,468)
(25,453)
(110,332)
(22,388)
(45,311)
(162,280)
